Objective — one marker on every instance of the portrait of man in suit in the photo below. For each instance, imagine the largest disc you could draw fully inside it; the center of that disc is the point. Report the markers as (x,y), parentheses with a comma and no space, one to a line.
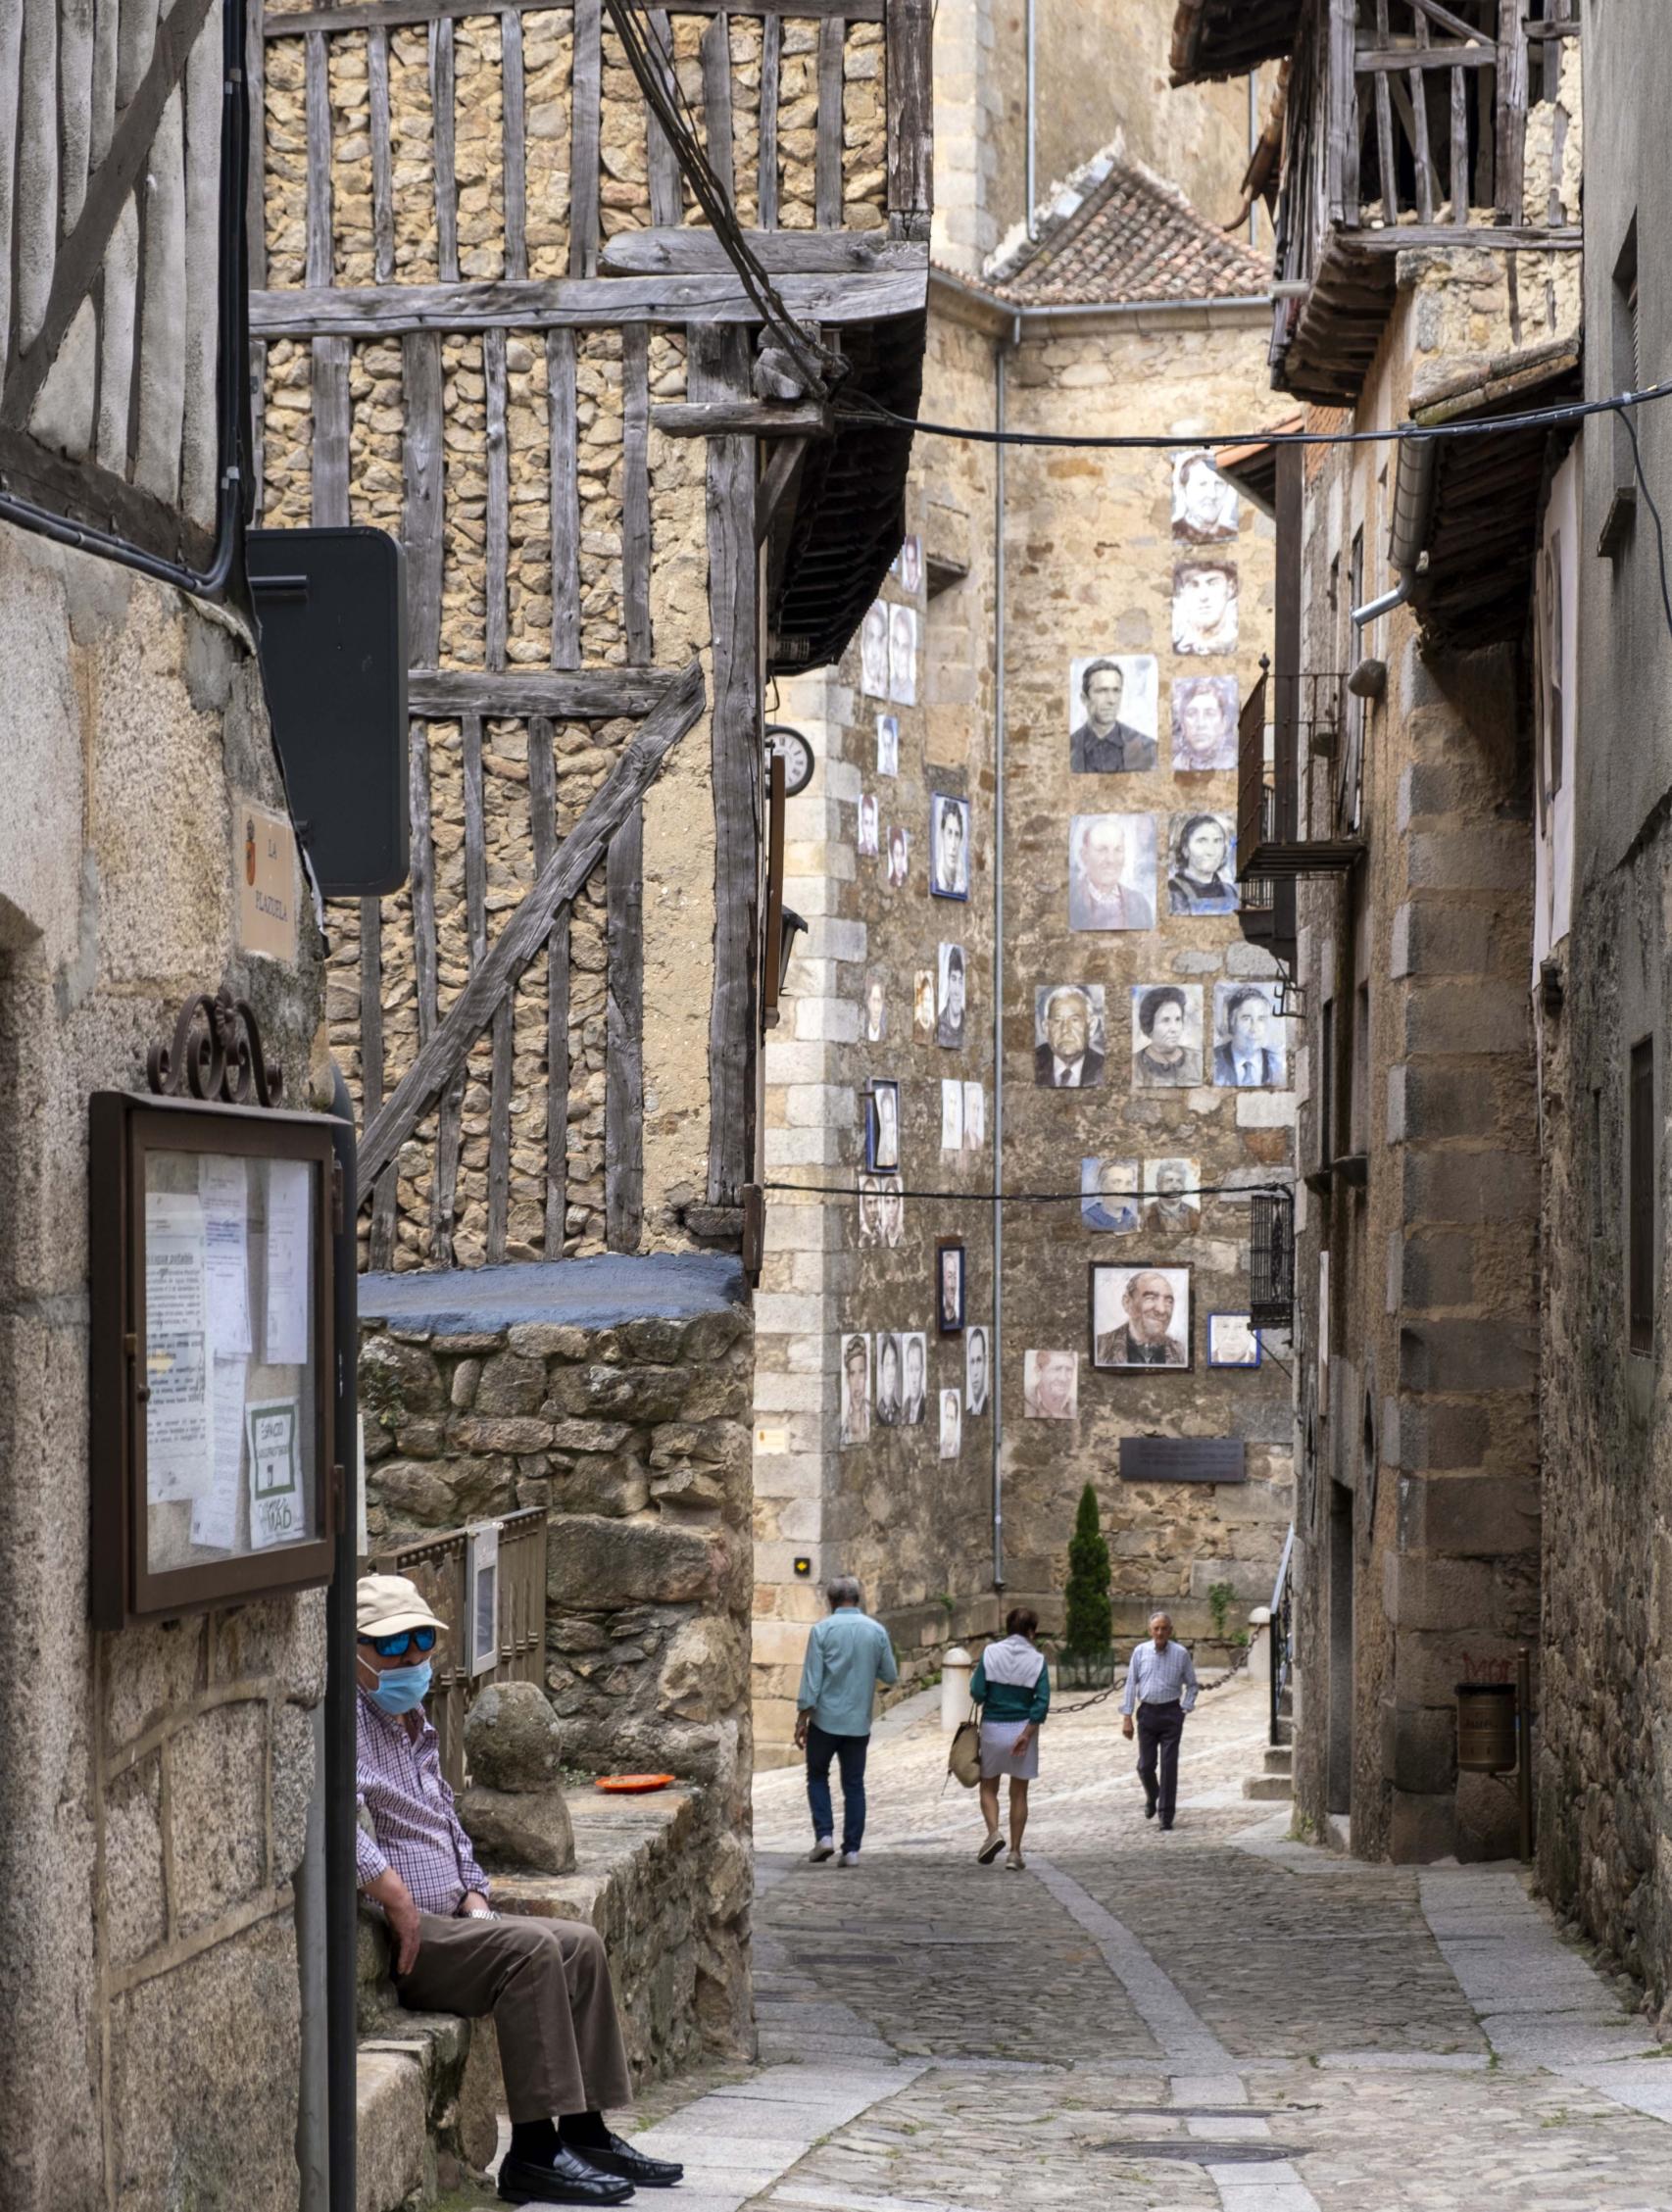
(976,1372)
(1111,871)
(888,1382)
(1105,742)
(914,1404)
(1068,1033)
(949,1029)
(1140,1316)
(1244,1056)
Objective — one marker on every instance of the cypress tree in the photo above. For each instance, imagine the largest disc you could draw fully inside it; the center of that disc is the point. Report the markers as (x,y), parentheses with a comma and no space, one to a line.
(1088,1627)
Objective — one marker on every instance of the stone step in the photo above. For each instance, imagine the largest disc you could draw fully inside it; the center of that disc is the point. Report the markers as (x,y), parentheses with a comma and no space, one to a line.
(1273,1788)
(1280,1759)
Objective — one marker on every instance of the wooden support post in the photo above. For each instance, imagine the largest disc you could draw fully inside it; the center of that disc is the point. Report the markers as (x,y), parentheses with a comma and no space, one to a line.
(543,819)
(498,516)
(635,493)
(910,118)
(717,104)
(422,511)
(667,193)
(585,118)
(514,143)
(383,1252)
(624,1086)
(1511,132)
(766,176)
(317,259)
(329,456)
(382,155)
(827,155)
(566,500)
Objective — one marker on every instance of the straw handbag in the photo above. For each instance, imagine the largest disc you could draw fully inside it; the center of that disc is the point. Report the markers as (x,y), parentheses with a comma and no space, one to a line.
(963,1757)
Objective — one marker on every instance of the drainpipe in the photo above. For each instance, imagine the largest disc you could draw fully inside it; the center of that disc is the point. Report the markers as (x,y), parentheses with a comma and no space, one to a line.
(995,1364)
(1413,490)
(1031,149)
(341,1910)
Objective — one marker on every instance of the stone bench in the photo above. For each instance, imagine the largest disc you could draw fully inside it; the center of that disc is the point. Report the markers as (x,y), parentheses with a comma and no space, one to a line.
(656,1875)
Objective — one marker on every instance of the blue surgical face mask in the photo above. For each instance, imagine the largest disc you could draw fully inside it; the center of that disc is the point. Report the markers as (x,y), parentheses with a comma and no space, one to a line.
(400,1689)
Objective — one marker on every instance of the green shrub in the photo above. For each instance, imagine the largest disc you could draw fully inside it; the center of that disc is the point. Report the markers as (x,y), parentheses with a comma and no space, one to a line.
(1219,1597)
(1088,1625)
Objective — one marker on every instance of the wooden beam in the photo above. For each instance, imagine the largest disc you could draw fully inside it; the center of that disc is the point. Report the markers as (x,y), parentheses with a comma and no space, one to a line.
(497,521)
(623,1033)
(383,1252)
(329,456)
(317,256)
(744,418)
(361,14)
(558,884)
(1511,120)
(635,492)
(1397,237)
(828,148)
(564,499)
(514,144)
(543,824)
(910,116)
(443,131)
(382,155)
(777,481)
(586,106)
(1401,59)
(686,251)
(716,105)
(661,163)
(766,165)
(581,695)
(422,511)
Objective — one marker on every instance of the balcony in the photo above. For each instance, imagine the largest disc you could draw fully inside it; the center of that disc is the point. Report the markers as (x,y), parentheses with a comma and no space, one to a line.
(1299,780)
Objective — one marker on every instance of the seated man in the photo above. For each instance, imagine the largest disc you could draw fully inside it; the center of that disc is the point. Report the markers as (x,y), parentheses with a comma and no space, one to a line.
(545,1982)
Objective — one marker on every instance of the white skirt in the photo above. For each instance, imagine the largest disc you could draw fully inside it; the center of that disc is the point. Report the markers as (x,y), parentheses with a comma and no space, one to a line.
(997,1756)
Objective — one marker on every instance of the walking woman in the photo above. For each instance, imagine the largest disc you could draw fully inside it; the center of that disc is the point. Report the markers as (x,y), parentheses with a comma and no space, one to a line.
(1012,1687)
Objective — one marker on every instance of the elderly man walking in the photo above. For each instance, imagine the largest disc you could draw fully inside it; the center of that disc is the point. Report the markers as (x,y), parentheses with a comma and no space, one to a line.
(545,1982)
(846,1656)
(1160,1688)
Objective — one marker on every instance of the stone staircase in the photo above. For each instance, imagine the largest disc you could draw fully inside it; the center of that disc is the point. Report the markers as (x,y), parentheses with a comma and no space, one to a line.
(1275,1784)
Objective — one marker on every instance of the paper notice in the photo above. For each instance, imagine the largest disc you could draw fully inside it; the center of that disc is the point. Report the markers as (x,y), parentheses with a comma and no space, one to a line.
(176,1409)
(275,1473)
(223,1191)
(289,1251)
(215,1514)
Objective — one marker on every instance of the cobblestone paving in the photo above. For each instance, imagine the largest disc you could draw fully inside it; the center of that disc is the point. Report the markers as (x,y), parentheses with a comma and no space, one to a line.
(1211,2021)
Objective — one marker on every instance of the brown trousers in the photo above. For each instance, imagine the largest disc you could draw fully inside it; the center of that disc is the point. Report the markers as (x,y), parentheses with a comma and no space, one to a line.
(547,1985)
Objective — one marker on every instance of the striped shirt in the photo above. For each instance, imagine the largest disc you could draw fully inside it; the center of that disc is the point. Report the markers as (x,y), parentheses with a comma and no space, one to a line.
(398,1781)
(1159,1678)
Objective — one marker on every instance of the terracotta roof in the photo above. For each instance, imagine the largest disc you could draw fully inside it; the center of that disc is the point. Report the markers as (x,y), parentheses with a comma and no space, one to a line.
(1116,233)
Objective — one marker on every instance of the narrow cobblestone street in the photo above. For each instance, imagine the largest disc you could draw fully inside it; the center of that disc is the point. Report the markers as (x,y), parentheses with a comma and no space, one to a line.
(1217,2020)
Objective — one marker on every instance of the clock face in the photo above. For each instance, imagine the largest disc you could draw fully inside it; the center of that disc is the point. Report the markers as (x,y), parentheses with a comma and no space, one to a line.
(796,756)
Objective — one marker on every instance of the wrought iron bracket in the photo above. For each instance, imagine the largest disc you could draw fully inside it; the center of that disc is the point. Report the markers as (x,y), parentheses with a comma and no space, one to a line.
(215,1053)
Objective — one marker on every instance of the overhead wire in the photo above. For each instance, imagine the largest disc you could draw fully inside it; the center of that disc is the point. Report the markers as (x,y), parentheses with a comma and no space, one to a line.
(1032,1197)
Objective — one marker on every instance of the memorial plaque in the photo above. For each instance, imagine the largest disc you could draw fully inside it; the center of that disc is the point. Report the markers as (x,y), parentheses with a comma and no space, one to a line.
(1182,1459)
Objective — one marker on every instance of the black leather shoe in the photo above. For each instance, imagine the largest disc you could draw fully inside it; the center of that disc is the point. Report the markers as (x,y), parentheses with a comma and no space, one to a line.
(1149,1808)
(616,2155)
(562,2179)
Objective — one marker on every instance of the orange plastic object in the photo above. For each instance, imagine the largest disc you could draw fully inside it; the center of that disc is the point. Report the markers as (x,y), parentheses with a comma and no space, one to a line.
(632,1784)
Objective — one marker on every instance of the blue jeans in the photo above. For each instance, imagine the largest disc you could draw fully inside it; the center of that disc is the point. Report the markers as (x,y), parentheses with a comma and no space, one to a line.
(850,1752)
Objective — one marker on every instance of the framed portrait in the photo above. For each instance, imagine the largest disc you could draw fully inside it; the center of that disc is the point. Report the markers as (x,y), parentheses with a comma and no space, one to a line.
(902,655)
(1206,507)
(872,1233)
(1112,712)
(1205,605)
(977,1370)
(855,1385)
(865,835)
(1167,1036)
(874,1026)
(882,1128)
(888,745)
(1205,713)
(1140,1316)
(950,997)
(949,1287)
(912,565)
(949,846)
(914,1359)
(890,1380)
(1172,1197)
(1051,1385)
(951,1424)
(1202,865)
(1108,1195)
(923,1005)
(1111,871)
(899,856)
(1249,1052)
(891,1210)
(873,651)
(952,1114)
(1233,1340)
(1069,1041)
(974,1118)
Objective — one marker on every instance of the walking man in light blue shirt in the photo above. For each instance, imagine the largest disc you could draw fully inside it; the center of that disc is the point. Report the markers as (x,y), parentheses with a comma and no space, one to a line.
(847,1656)
(1160,1688)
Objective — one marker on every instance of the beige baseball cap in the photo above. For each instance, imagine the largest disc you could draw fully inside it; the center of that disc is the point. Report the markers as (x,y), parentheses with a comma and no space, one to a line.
(384,1604)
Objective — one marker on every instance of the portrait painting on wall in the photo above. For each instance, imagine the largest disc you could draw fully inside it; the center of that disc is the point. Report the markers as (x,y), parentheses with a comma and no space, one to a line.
(974,1118)
(870,1212)
(949,1286)
(1113,713)
(873,651)
(1068,1039)
(915,1351)
(856,1420)
(951,1424)
(949,846)
(893,1211)
(1167,1035)
(1205,713)
(912,565)
(1202,865)
(923,1005)
(1233,1340)
(902,655)
(1111,871)
(952,1116)
(1140,1315)
(882,1128)
(866,837)
(1247,1039)
(1172,1192)
(949,998)
(877,1009)
(1051,1385)
(1205,607)
(1108,1198)
(899,858)
(888,745)
(1206,507)
(890,1380)
(978,1367)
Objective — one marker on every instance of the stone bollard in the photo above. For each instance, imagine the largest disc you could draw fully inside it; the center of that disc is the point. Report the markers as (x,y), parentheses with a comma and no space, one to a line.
(513,1809)
(1259,1643)
(955,1670)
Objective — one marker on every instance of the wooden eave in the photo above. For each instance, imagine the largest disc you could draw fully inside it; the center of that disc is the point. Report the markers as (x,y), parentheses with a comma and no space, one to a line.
(1220,38)
(1252,467)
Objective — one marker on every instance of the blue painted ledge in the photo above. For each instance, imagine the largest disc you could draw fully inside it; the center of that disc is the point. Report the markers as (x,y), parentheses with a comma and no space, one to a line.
(590,1293)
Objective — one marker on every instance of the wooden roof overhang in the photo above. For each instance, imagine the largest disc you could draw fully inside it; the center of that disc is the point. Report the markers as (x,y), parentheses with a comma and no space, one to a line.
(1216,38)
(1324,345)
(1252,467)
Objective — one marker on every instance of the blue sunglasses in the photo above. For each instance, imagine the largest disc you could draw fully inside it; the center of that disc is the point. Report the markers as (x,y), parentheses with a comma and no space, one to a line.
(397,1647)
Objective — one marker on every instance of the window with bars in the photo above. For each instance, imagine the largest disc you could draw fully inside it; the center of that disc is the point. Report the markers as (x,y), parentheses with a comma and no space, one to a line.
(1643,1179)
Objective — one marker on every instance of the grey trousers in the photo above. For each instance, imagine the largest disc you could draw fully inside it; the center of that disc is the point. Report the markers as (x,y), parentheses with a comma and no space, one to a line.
(547,1984)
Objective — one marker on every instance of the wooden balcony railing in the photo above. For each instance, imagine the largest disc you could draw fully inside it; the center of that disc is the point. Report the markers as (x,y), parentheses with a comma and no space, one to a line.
(1288,722)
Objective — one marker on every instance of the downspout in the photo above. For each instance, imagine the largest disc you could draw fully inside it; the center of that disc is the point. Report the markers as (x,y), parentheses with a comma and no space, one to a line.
(1413,490)
(341,1930)
(1001,351)
(1031,145)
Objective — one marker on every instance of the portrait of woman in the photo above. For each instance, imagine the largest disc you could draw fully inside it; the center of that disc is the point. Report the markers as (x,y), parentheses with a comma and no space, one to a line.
(1204,726)
(1167,1035)
(899,858)
(876,1010)
(1199,879)
(902,655)
(912,565)
(1205,504)
(873,651)
(923,1005)
(888,745)
(951,1424)
(952,1116)
(882,1128)
(865,841)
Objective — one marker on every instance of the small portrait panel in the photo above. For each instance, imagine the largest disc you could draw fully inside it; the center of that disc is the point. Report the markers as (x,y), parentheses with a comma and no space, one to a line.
(865,835)
(870,1212)
(888,745)
(1204,724)
(1113,713)
(923,1005)
(949,1287)
(1108,1195)
(1051,1385)
(952,1116)
(912,565)
(977,1370)
(949,998)
(1206,507)
(882,1128)
(1167,1036)
(1205,605)
(873,651)
(1069,1036)
(856,1387)
(915,1364)
(892,1211)
(1111,871)
(1140,1315)
(890,1381)
(951,1424)
(899,856)
(1247,1039)
(949,847)
(1172,1197)
(1233,1340)
(902,655)
(874,1027)
(974,1118)
(1202,865)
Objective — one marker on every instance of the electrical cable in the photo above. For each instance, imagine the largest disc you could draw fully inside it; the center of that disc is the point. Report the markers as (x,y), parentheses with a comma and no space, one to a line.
(1649,497)
(1032,1197)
